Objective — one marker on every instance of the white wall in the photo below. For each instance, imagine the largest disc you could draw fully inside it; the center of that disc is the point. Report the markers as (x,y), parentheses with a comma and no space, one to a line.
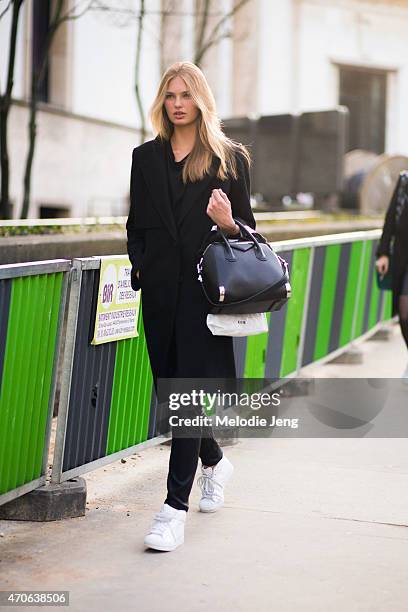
(80,164)
(224,66)
(104,53)
(300,44)
(360,34)
(275,56)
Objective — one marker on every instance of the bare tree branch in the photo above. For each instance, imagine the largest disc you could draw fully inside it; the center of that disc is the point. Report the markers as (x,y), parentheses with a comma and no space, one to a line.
(58,17)
(166,13)
(214,36)
(137,73)
(203,24)
(98,5)
(6,9)
(5,103)
(71,15)
(217,39)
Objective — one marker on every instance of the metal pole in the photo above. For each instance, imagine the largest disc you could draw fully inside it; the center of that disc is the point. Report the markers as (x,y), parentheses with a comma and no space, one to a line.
(61,313)
(72,319)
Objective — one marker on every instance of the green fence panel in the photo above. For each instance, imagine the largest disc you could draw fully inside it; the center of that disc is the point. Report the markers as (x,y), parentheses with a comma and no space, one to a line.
(374,301)
(387,312)
(351,291)
(295,306)
(331,264)
(362,296)
(131,393)
(27,377)
(256,354)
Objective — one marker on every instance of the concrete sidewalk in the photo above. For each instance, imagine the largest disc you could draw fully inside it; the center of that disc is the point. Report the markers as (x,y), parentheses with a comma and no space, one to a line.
(308,524)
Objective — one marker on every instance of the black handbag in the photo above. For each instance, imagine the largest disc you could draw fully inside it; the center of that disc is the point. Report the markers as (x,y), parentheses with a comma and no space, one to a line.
(242,275)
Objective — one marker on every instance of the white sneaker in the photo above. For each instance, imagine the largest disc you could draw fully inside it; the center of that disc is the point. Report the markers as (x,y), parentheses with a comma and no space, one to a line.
(212,482)
(167,531)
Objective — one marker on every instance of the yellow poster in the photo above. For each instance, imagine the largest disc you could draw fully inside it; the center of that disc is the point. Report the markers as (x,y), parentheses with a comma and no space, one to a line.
(118,306)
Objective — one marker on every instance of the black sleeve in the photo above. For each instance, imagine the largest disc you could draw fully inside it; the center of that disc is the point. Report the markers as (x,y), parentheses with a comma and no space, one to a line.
(240,193)
(389,225)
(135,236)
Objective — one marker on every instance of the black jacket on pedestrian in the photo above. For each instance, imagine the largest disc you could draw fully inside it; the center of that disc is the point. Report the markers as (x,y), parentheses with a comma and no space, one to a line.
(174,308)
(395,232)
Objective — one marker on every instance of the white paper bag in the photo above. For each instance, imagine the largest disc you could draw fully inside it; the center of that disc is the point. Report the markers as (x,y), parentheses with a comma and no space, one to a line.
(237,325)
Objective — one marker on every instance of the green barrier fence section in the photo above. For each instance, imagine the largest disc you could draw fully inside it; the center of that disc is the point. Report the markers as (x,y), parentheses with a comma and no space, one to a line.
(387,306)
(27,377)
(295,309)
(327,296)
(346,328)
(362,293)
(31,341)
(352,307)
(374,301)
(255,354)
(130,403)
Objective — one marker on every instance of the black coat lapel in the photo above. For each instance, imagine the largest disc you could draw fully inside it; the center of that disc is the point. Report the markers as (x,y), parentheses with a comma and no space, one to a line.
(153,166)
(195,190)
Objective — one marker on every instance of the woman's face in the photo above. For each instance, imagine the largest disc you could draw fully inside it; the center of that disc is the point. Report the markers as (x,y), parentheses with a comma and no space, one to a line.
(180,107)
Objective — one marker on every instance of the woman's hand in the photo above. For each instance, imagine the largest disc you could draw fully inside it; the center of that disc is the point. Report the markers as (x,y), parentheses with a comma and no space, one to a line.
(219,210)
(382,264)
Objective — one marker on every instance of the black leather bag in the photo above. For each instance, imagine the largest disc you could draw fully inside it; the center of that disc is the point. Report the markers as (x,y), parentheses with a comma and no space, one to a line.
(242,275)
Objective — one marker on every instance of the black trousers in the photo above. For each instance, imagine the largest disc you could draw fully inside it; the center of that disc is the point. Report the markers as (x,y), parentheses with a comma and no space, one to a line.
(183,465)
(185,451)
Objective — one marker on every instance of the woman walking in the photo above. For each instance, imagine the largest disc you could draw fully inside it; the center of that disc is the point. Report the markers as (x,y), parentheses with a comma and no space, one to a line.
(189,177)
(396,230)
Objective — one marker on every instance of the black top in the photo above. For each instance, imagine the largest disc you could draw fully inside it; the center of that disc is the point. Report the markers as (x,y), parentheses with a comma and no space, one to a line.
(174,176)
(175,181)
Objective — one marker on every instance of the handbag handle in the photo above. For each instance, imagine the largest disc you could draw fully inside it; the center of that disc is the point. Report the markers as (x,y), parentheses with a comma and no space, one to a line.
(251,235)
(214,231)
(245,230)
(229,253)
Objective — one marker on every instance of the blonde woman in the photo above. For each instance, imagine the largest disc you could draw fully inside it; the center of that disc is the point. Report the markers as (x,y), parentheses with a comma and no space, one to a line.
(188,178)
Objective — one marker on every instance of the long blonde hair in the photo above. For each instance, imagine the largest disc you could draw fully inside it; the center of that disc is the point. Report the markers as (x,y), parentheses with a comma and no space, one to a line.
(210,139)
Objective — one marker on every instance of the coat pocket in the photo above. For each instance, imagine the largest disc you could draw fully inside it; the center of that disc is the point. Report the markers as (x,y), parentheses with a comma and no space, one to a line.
(134,280)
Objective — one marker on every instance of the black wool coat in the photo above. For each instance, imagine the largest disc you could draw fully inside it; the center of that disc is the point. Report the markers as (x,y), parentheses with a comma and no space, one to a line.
(394,239)
(174,308)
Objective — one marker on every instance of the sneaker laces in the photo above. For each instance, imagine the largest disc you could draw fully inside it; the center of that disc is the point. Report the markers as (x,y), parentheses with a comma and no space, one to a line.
(207,482)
